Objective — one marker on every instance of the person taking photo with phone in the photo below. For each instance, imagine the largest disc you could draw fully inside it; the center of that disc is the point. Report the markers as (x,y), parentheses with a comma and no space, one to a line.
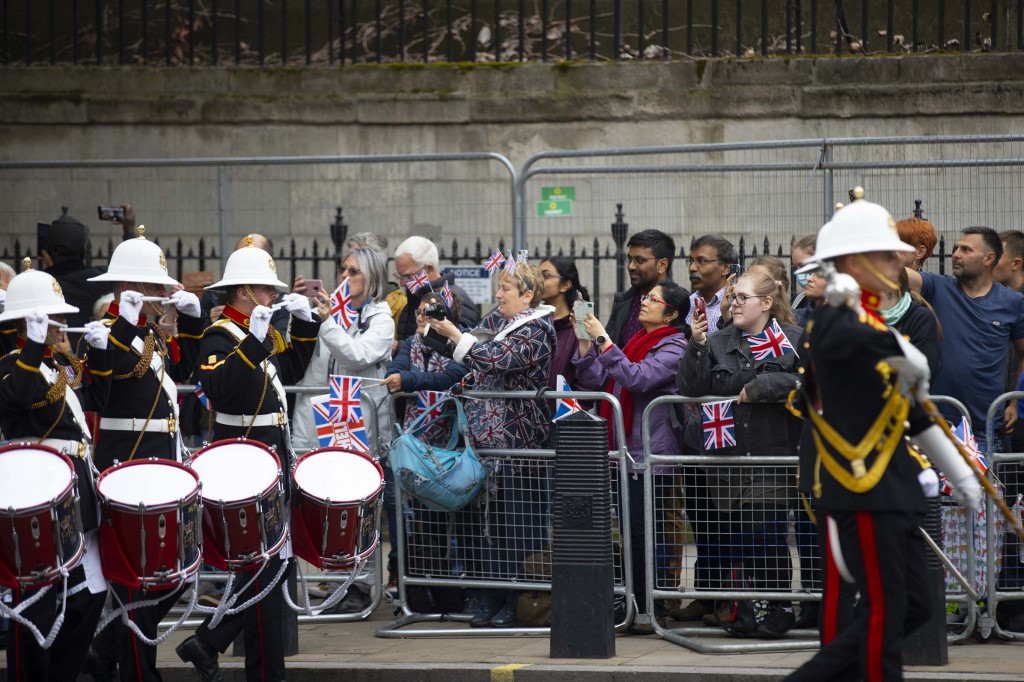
(710,263)
(562,289)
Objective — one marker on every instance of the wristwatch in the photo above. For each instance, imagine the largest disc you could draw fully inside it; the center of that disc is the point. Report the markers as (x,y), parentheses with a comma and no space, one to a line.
(600,340)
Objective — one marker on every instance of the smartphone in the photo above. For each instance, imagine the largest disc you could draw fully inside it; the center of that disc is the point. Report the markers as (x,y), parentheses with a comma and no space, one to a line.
(42,232)
(114,214)
(580,310)
(734,269)
(701,307)
(313,287)
(522,255)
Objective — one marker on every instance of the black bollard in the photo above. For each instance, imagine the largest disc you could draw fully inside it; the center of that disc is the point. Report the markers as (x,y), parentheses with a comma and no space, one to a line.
(582,573)
(927,645)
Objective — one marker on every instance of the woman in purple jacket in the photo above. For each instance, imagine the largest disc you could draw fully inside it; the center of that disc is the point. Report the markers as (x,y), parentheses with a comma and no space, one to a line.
(562,288)
(636,375)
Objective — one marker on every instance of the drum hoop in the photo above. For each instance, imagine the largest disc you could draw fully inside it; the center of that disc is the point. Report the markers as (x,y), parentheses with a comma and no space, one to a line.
(52,502)
(154,508)
(232,441)
(120,506)
(234,504)
(338,503)
(334,504)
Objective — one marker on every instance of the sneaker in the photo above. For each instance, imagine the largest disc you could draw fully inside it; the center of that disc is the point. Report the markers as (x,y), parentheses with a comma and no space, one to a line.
(490,603)
(505,617)
(721,615)
(356,600)
(472,604)
(777,622)
(320,590)
(695,610)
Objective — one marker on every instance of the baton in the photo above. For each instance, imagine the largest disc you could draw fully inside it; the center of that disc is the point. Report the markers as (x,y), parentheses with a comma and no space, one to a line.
(947,562)
(64,328)
(1008,514)
(156,299)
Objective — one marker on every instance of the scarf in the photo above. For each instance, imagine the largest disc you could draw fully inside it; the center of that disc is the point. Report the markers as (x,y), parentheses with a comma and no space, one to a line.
(893,315)
(635,351)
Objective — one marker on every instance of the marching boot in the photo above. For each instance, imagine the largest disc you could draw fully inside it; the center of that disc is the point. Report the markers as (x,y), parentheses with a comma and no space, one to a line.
(202,656)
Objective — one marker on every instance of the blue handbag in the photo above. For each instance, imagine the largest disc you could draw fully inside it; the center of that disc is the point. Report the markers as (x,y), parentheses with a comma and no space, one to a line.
(443,479)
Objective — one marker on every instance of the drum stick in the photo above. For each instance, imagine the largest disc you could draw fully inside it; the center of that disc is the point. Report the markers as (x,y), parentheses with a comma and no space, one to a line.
(156,299)
(1008,514)
(278,306)
(73,330)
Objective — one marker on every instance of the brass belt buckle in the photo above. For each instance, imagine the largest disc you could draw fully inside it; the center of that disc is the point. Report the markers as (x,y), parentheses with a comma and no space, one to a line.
(281,419)
(170,424)
(81,448)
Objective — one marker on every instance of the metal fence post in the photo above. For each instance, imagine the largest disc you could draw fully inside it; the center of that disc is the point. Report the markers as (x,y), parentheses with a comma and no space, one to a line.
(222,215)
(619,230)
(827,179)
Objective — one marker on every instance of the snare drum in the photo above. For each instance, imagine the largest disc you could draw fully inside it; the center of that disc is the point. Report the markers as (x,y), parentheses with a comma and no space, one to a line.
(243,502)
(335,515)
(150,535)
(40,525)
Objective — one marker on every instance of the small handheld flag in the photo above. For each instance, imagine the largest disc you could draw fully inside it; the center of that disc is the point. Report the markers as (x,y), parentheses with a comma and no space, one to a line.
(770,343)
(495,261)
(719,425)
(419,280)
(341,306)
(510,264)
(565,406)
(345,395)
(446,294)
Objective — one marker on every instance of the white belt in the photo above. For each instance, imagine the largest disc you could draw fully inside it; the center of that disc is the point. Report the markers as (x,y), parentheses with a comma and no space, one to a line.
(137,424)
(73,448)
(246,420)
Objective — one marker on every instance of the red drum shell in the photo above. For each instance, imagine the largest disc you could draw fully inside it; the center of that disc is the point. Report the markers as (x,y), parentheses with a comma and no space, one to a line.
(39,535)
(336,510)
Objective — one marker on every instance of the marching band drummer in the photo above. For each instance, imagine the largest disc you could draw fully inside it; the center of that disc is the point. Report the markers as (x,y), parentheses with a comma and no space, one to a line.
(243,364)
(864,391)
(140,419)
(43,392)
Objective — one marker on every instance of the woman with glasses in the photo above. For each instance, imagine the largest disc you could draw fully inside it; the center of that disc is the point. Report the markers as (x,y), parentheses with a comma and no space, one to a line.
(562,288)
(756,360)
(636,375)
(812,284)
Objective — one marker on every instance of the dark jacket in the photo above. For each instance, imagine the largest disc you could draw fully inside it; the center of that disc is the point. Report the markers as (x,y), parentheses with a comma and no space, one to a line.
(764,427)
(73,277)
(407,319)
(417,378)
(621,305)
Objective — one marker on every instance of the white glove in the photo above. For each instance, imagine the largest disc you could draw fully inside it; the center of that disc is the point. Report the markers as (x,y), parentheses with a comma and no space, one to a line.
(130,306)
(912,369)
(298,306)
(186,302)
(36,327)
(259,321)
(929,482)
(843,292)
(934,443)
(97,334)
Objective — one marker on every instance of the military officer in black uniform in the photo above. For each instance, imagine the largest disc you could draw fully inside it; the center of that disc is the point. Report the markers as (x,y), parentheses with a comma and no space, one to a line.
(862,383)
(43,395)
(243,365)
(140,419)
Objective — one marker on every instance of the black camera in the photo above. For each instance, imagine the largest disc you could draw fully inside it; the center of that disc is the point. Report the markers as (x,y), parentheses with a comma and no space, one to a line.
(435,311)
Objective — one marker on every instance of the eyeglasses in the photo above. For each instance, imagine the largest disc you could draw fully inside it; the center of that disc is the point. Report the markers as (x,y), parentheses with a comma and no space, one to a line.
(701,262)
(651,297)
(403,277)
(740,298)
(550,275)
(350,271)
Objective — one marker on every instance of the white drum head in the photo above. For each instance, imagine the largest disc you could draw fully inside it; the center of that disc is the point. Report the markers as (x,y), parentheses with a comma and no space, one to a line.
(235,471)
(153,484)
(31,477)
(340,476)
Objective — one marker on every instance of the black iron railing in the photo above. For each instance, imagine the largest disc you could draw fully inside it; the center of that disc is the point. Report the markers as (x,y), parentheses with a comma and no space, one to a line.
(339,32)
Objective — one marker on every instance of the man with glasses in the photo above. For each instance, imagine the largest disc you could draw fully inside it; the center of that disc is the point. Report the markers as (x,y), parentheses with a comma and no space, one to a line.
(412,256)
(709,261)
(649,262)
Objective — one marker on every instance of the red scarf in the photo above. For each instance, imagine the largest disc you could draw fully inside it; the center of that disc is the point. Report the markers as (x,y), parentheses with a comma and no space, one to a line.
(635,351)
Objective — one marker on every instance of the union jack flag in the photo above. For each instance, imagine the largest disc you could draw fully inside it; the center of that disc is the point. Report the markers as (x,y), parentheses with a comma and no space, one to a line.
(966,436)
(771,343)
(427,401)
(352,435)
(328,427)
(446,294)
(341,306)
(510,264)
(201,394)
(419,280)
(565,406)
(719,425)
(345,395)
(495,261)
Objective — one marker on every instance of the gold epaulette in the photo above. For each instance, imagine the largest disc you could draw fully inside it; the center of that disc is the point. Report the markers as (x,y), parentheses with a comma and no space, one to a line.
(883,437)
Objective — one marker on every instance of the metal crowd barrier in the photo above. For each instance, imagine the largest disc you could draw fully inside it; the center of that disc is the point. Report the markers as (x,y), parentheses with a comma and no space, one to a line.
(670,565)
(442,550)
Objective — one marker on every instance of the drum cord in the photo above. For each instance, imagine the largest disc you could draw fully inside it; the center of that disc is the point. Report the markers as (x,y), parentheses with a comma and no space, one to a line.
(335,597)
(123,610)
(226,606)
(15,613)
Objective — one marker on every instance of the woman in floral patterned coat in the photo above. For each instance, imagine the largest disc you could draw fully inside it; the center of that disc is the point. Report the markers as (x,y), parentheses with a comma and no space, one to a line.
(511,350)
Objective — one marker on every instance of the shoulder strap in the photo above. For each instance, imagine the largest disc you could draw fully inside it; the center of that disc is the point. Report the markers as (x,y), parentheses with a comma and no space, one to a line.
(420,424)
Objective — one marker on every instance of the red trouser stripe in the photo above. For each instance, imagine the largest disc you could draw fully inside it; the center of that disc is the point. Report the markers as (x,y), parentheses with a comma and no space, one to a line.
(831,597)
(876,598)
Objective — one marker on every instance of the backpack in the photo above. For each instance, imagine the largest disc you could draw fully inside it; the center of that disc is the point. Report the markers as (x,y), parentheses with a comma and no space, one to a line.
(443,479)
(743,614)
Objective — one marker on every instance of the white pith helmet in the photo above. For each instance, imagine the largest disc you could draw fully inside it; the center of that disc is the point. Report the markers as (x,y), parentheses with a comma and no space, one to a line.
(34,291)
(859,227)
(249,265)
(137,260)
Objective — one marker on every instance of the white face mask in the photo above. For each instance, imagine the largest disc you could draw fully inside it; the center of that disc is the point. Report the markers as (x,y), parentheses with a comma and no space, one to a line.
(802,278)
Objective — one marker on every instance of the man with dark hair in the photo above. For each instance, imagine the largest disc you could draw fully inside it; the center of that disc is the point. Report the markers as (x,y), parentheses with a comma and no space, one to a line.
(709,261)
(64,260)
(649,262)
(980,318)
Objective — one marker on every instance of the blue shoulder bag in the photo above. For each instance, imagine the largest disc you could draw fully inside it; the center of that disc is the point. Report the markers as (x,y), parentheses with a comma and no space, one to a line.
(443,479)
